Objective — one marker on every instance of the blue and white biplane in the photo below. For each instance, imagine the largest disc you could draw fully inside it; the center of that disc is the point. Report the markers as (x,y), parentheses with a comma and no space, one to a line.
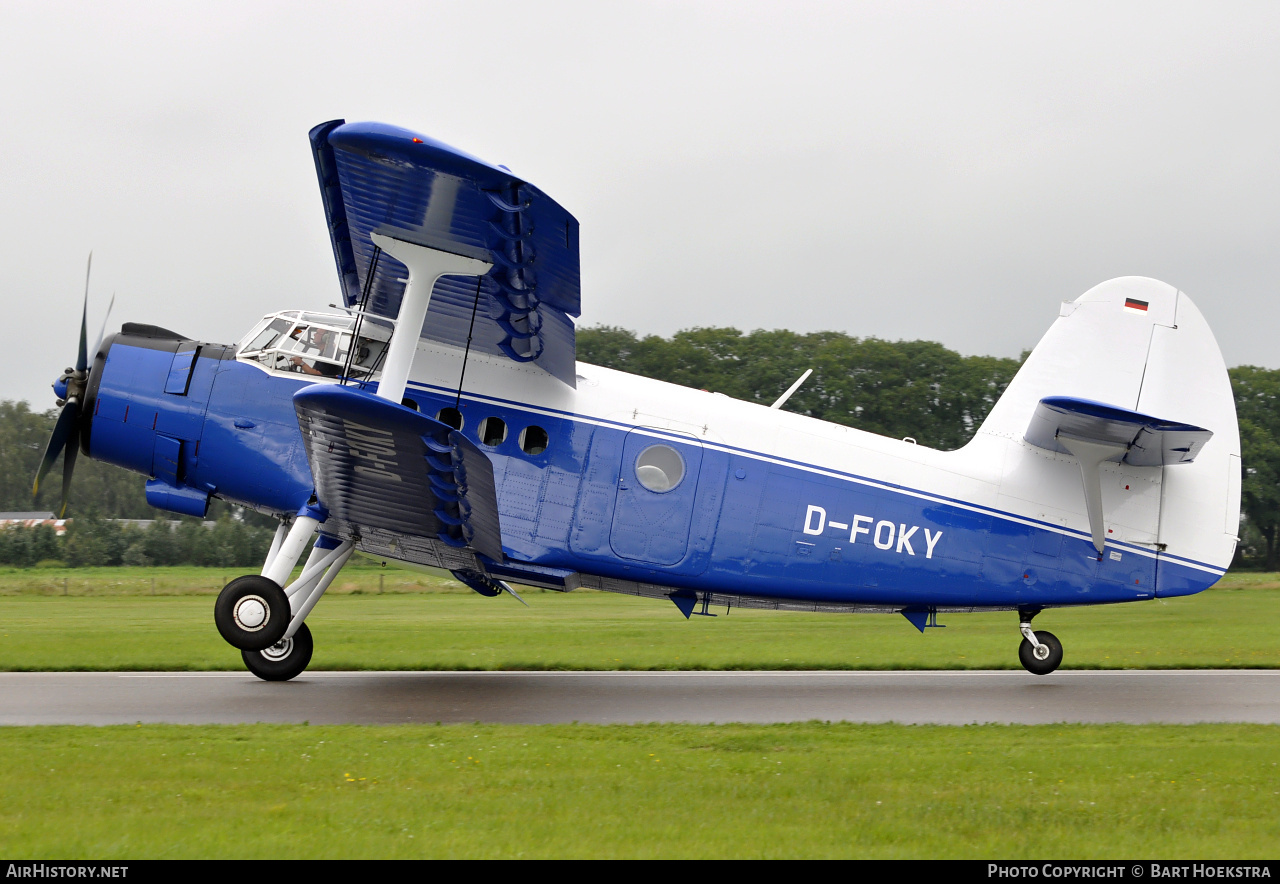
(441,419)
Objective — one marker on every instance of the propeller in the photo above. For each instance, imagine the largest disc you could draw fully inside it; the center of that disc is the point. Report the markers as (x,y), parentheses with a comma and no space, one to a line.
(70,389)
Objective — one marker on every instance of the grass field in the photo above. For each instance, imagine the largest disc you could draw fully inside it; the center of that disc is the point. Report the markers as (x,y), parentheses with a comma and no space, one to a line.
(802,790)
(109,619)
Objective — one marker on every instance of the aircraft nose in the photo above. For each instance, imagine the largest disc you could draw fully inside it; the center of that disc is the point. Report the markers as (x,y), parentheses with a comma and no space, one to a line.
(60,387)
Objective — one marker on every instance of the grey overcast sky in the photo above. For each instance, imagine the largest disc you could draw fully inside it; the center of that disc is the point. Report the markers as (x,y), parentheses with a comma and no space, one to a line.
(947,171)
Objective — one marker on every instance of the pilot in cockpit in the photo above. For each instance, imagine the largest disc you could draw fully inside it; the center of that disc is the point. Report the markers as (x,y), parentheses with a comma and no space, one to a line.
(321,342)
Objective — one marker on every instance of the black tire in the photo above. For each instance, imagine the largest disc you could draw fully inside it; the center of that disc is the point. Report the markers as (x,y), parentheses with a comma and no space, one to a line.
(284,660)
(1026,654)
(250,636)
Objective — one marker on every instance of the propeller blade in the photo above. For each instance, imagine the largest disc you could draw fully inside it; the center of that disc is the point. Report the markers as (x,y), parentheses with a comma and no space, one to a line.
(103,333)
(68,467)
(82,360)
(63,431)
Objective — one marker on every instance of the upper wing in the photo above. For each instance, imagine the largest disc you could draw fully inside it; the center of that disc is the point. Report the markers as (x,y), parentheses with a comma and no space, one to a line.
(376,178)
(381,467)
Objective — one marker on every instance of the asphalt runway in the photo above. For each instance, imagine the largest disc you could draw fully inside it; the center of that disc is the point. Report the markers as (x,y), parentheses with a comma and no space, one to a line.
(1132,696)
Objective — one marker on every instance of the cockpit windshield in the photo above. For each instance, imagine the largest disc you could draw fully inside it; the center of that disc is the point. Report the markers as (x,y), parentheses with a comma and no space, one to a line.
(317,344)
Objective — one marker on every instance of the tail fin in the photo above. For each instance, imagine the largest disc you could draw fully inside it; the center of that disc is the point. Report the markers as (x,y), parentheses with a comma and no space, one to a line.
(1141,346)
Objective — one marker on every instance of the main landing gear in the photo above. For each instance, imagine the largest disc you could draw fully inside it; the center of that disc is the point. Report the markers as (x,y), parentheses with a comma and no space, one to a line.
(1040,652)
(283,660)
(263,617)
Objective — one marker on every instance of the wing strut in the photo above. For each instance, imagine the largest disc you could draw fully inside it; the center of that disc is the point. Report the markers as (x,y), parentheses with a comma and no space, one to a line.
(426,265)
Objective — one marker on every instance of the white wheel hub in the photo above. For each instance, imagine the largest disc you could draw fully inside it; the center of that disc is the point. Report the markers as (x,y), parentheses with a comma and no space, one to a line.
(279,650)
(1040,652)
(251,613)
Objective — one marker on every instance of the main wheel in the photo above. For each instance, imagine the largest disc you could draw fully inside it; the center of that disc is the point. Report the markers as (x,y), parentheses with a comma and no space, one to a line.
(283,660)
(252,613)
(1042,660)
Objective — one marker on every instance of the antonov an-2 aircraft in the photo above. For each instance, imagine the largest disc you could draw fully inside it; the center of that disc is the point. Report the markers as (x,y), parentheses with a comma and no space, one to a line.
(441,419)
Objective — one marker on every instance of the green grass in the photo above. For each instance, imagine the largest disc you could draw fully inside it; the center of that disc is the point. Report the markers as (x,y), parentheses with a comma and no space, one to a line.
(421,622)
(361,576)
(797,790)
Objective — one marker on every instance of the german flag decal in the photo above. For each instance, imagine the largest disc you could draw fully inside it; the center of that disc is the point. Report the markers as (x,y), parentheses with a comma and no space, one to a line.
(1135,305)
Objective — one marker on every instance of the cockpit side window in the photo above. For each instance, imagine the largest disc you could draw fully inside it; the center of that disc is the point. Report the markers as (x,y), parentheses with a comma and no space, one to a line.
(368,356)
(317,344)
(265,337)
(317,348)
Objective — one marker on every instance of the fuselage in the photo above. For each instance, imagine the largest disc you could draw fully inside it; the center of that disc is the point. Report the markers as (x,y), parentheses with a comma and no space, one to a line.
(768,504)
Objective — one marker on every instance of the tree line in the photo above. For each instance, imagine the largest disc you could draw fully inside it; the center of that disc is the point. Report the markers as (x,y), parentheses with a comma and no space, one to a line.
(894,388)
(919,389)
(100,495)
(92,541)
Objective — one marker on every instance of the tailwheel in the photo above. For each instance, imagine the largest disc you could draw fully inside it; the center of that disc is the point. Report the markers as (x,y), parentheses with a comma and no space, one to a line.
(1042,657)
(252,613)
(283,660)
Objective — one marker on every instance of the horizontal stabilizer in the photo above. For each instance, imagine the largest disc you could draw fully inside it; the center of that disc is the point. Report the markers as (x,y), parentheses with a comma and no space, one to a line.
(379,179)
(1136,439)
(379,465)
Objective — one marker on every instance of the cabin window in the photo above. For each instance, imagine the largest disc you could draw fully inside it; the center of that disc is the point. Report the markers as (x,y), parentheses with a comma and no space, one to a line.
(450,416)
(493,430)
(533,440)
(659,468)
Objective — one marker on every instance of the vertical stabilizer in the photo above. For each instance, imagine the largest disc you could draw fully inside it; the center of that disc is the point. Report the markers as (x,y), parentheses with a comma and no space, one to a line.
(1139,345)
(1097,349)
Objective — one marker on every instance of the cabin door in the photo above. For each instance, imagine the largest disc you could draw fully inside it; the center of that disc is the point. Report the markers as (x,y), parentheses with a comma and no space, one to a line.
(657,490)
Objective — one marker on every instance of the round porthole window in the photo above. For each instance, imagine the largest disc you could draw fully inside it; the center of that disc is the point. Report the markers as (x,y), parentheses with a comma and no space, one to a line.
(493,431)
(533,440)
(450,416)
(659,468)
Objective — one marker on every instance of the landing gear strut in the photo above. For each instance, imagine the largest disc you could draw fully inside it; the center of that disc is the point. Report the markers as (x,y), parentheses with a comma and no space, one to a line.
(1040,652)
(265,621)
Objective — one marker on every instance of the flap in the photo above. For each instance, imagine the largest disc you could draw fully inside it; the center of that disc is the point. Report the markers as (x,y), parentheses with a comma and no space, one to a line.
(376,178)
(381,465)
(1147,441)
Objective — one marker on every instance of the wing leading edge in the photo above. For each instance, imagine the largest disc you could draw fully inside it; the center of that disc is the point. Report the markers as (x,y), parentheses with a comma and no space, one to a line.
(376,178)
(1140,439)
(379,467)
